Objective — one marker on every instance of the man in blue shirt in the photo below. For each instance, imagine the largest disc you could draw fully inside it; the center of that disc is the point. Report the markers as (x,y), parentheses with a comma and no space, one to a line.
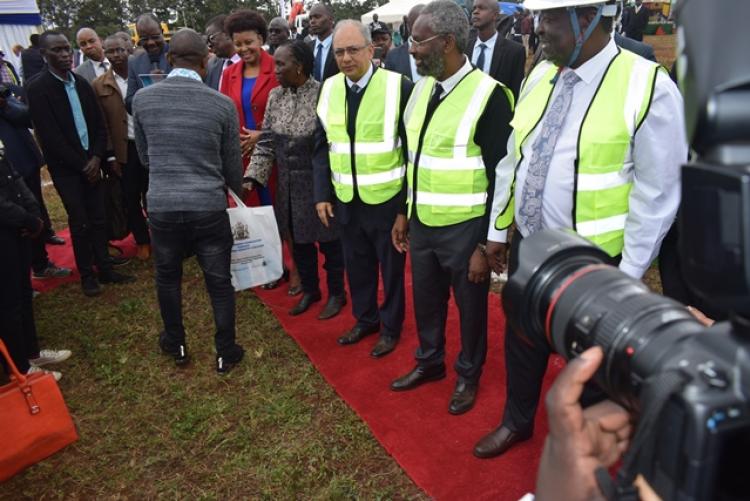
(73,137)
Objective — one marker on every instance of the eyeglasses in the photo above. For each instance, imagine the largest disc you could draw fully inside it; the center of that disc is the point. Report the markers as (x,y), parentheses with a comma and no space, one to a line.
(416,43)
(116,50)
(352,51)
(214,37)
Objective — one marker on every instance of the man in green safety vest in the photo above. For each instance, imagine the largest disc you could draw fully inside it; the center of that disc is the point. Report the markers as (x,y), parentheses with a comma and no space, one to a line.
(598,139)
(359,167)
(457,124)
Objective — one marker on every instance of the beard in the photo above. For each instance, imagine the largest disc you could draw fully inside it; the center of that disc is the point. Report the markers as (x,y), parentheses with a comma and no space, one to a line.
(432,65)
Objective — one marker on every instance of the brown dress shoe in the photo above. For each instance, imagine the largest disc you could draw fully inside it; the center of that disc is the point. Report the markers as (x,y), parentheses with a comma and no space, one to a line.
(463,398)
(356,333)
(332,307)
(384,346)
(497,442)
(418,376)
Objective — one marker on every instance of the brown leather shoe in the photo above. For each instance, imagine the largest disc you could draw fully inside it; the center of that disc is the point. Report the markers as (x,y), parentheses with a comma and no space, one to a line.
(332,307)
(418,376)
(384,346)
(463,398)
(497,442)
(356,334)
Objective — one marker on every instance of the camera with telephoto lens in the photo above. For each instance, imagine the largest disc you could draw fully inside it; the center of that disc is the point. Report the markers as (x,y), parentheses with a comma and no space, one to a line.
(687,385)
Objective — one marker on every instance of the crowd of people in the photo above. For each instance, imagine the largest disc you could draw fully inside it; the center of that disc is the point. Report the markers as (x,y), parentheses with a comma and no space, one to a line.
(367,151)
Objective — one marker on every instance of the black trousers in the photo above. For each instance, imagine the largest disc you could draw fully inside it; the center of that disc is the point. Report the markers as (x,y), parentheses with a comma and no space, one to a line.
(525,365)
(209,236)
(17,328)
(306,259)
(84,203)
(368,249)
(134,187)
(39,256)
(440,263)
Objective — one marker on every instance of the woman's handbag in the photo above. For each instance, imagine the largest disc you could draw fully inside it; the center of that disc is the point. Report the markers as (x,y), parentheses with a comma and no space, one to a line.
(34,420)
(256,253)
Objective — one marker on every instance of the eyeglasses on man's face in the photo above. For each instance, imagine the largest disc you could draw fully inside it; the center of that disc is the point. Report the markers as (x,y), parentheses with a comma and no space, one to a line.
(352,51)
(420,43)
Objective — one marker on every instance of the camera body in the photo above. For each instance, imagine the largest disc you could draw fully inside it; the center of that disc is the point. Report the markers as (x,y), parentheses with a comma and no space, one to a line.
(564,294)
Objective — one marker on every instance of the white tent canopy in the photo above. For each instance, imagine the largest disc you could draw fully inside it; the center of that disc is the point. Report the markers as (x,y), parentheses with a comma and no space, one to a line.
(392,12)
(18,20)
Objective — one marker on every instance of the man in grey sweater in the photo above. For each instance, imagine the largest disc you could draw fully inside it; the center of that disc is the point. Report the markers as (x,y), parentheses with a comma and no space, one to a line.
(187,134)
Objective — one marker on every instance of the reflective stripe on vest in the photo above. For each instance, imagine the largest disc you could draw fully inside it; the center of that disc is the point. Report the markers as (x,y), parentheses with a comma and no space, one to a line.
(378,157)
(602,179)
(451,176)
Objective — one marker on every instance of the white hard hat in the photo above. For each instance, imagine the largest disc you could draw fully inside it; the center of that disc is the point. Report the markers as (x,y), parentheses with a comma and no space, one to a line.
(610,6)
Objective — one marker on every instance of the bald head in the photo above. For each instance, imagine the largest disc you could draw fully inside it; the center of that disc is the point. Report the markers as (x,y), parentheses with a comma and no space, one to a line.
(188,50)
(90,44)
(413,15)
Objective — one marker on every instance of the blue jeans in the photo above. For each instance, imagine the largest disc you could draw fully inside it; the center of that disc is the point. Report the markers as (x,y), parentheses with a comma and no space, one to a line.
(175,235)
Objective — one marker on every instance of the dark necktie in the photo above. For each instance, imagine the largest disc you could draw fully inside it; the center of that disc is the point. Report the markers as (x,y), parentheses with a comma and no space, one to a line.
(480,59)
(434,101)
(354,88)
(318,65)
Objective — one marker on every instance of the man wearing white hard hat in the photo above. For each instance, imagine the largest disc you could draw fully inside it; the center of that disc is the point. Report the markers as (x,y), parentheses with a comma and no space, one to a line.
(598,139)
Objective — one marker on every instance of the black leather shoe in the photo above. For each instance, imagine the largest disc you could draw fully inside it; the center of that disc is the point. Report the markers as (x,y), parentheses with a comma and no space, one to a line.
(90,287)
(55,240)
(179,353)
(463,398)
(332,307)
(384,346)
(497,442)
(356,333)
(308,298)
(224,364)
(418,376)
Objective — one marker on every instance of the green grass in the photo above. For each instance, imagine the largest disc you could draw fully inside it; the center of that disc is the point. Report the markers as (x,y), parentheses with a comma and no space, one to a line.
(271,429)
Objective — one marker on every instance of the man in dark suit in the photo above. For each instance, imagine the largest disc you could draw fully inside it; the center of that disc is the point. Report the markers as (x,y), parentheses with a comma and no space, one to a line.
(399,59)
(642,49)
(637,20)
(153,60)
(367,216)
(32,61)
(222,47)
(24,156)
(96,63)
(502,59)
(321,28)
(73,137)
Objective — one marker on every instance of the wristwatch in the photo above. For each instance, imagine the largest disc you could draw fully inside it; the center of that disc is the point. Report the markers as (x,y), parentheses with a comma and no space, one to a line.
(482,249)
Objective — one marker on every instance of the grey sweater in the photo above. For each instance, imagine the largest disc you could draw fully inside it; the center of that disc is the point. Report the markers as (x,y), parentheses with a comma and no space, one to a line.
(187,134)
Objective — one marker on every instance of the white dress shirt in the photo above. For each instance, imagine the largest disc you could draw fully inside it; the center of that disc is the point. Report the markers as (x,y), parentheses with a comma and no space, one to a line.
(100,67)
(324,51)
(490,43)
(449,83)
(657,151)
(122,83)
(362,82)
(415,76)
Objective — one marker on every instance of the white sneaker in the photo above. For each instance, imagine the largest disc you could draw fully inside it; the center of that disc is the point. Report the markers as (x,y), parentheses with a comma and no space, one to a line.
(50,357)
(55,374)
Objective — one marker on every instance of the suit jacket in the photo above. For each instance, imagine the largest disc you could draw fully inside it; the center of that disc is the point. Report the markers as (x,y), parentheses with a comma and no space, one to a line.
(508,62)
(330,67)
(231,86)
(214,70)
(115,115)
(642,49)
(398,60)
(32,63)
(53,122)
(141,65)
(86,70)
(637,23)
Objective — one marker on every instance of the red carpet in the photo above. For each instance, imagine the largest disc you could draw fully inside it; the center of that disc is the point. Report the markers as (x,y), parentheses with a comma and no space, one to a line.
(432,446)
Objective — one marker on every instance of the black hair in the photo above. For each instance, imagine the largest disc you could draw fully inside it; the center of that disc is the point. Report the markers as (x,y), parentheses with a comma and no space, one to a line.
(34,39)
(217,21)
(147,17)
(246,20)
(302,53)
(47,34)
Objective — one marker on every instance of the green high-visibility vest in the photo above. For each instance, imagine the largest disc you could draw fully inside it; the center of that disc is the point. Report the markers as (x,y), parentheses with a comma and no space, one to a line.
(451,181)
(602,183)
(377,156)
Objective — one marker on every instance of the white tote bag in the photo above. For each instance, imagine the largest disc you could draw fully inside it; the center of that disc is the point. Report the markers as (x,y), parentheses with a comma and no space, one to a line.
(256,253)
